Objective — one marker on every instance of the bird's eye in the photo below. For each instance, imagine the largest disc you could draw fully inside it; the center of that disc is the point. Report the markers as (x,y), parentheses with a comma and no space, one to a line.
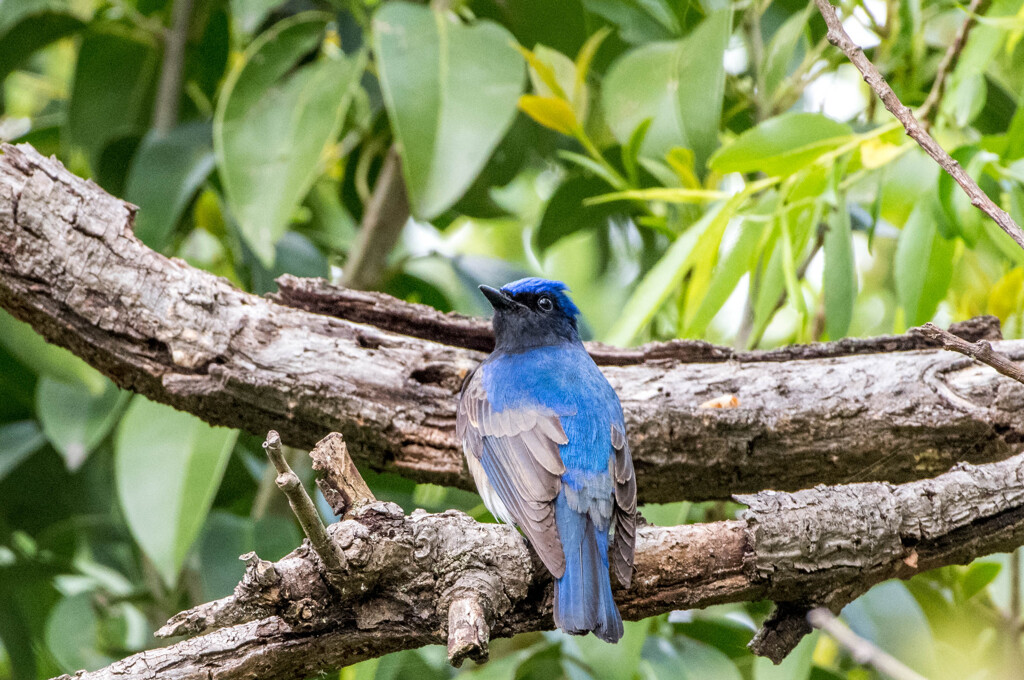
(545,303)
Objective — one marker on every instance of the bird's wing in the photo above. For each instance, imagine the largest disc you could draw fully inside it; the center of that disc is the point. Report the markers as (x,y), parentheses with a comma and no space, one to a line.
(624,542)
(518,449)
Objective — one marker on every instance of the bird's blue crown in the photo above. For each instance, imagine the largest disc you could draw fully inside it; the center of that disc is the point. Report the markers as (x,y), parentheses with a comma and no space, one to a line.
(534,285)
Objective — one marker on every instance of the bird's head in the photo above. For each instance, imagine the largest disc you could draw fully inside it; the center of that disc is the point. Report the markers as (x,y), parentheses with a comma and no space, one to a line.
(531,313)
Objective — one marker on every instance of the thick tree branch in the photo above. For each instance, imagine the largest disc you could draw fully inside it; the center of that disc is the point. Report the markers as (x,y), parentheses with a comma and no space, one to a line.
(70,266)
(838,36)
(818,547)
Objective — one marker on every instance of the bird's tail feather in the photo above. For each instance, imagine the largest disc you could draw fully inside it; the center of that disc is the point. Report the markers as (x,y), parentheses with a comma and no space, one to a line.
(583,595)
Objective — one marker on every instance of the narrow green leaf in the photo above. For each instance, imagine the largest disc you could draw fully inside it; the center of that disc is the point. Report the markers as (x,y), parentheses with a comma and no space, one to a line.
(665,276)
(75,418)
(923,266)
(167,467)
(451,92)
(274,119)
(978,576)
(840,280)
(779,55)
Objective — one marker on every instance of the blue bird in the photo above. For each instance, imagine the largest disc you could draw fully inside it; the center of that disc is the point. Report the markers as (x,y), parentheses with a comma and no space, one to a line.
(545,441)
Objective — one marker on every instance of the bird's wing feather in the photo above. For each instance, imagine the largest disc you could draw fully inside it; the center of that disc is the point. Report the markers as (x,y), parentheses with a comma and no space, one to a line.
(624,543)
(518,448)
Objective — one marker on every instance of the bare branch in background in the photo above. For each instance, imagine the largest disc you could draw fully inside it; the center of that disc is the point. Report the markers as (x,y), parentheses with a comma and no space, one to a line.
(405,574)
(862,651)
(931,104)
(165,114)
(838,36)
(386,213)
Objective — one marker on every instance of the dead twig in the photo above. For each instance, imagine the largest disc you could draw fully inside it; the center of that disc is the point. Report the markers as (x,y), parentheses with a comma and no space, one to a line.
(931,103)
(980,351)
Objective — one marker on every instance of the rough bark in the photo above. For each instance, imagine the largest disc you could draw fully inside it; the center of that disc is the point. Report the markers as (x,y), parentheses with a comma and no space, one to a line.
(405,574)
(71,267)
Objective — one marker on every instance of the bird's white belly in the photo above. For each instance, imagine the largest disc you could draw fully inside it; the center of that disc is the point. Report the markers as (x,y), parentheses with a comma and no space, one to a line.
(486,491)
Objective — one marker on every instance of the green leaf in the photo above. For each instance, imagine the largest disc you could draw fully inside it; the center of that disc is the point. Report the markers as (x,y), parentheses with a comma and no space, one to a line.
(840,282)
(638,21)
(166,173)
(73,632)
(796,666)
(782,145)
(611,662)
(923,266)
(451,92)
(679,85)
(978,576)
(275,117)
(731,268)
(75,418)
(782,47)
(112,95)
(18,441)
(167,466)
(665,276)
(28,25)
(687,659)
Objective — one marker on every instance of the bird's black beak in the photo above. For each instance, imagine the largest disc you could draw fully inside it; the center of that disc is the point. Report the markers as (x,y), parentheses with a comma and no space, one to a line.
(498,300)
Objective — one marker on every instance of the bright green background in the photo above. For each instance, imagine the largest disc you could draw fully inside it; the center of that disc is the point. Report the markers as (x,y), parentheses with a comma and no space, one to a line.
(691,168)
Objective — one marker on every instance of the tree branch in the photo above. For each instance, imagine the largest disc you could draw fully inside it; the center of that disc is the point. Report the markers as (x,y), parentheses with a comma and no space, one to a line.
(165,115)
(818,547)
(863,651)
(71,267)
(931,104)
(838,36)
(386,213)
(980,350)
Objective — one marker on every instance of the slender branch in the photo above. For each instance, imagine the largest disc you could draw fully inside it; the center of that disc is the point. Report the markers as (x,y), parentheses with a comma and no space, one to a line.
(862,651)
(165,115)
(385,215)
(818,547)
(838,36)
(813,414)
(302,505)
(931,103)
(981,351)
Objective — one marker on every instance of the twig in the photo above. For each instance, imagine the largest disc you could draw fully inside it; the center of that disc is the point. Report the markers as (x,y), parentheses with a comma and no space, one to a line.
(385,215)
(981,351)
(165,116)
(342,485)
(930,106)
(838,36)
(863,651)
(302,505)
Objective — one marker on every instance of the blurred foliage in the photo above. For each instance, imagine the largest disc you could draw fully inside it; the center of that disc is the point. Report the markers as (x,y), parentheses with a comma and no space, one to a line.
(691,168)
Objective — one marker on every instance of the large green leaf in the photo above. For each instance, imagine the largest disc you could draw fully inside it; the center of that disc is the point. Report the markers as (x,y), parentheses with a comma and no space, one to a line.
(113,90)
(167,466)
(166,173)
(451,92)
(779,56)
(566,212)
(923,265)
(782,145)
(678,85)
(840,282)
(274,119)
(76,418)
(29,348)
(27,25)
